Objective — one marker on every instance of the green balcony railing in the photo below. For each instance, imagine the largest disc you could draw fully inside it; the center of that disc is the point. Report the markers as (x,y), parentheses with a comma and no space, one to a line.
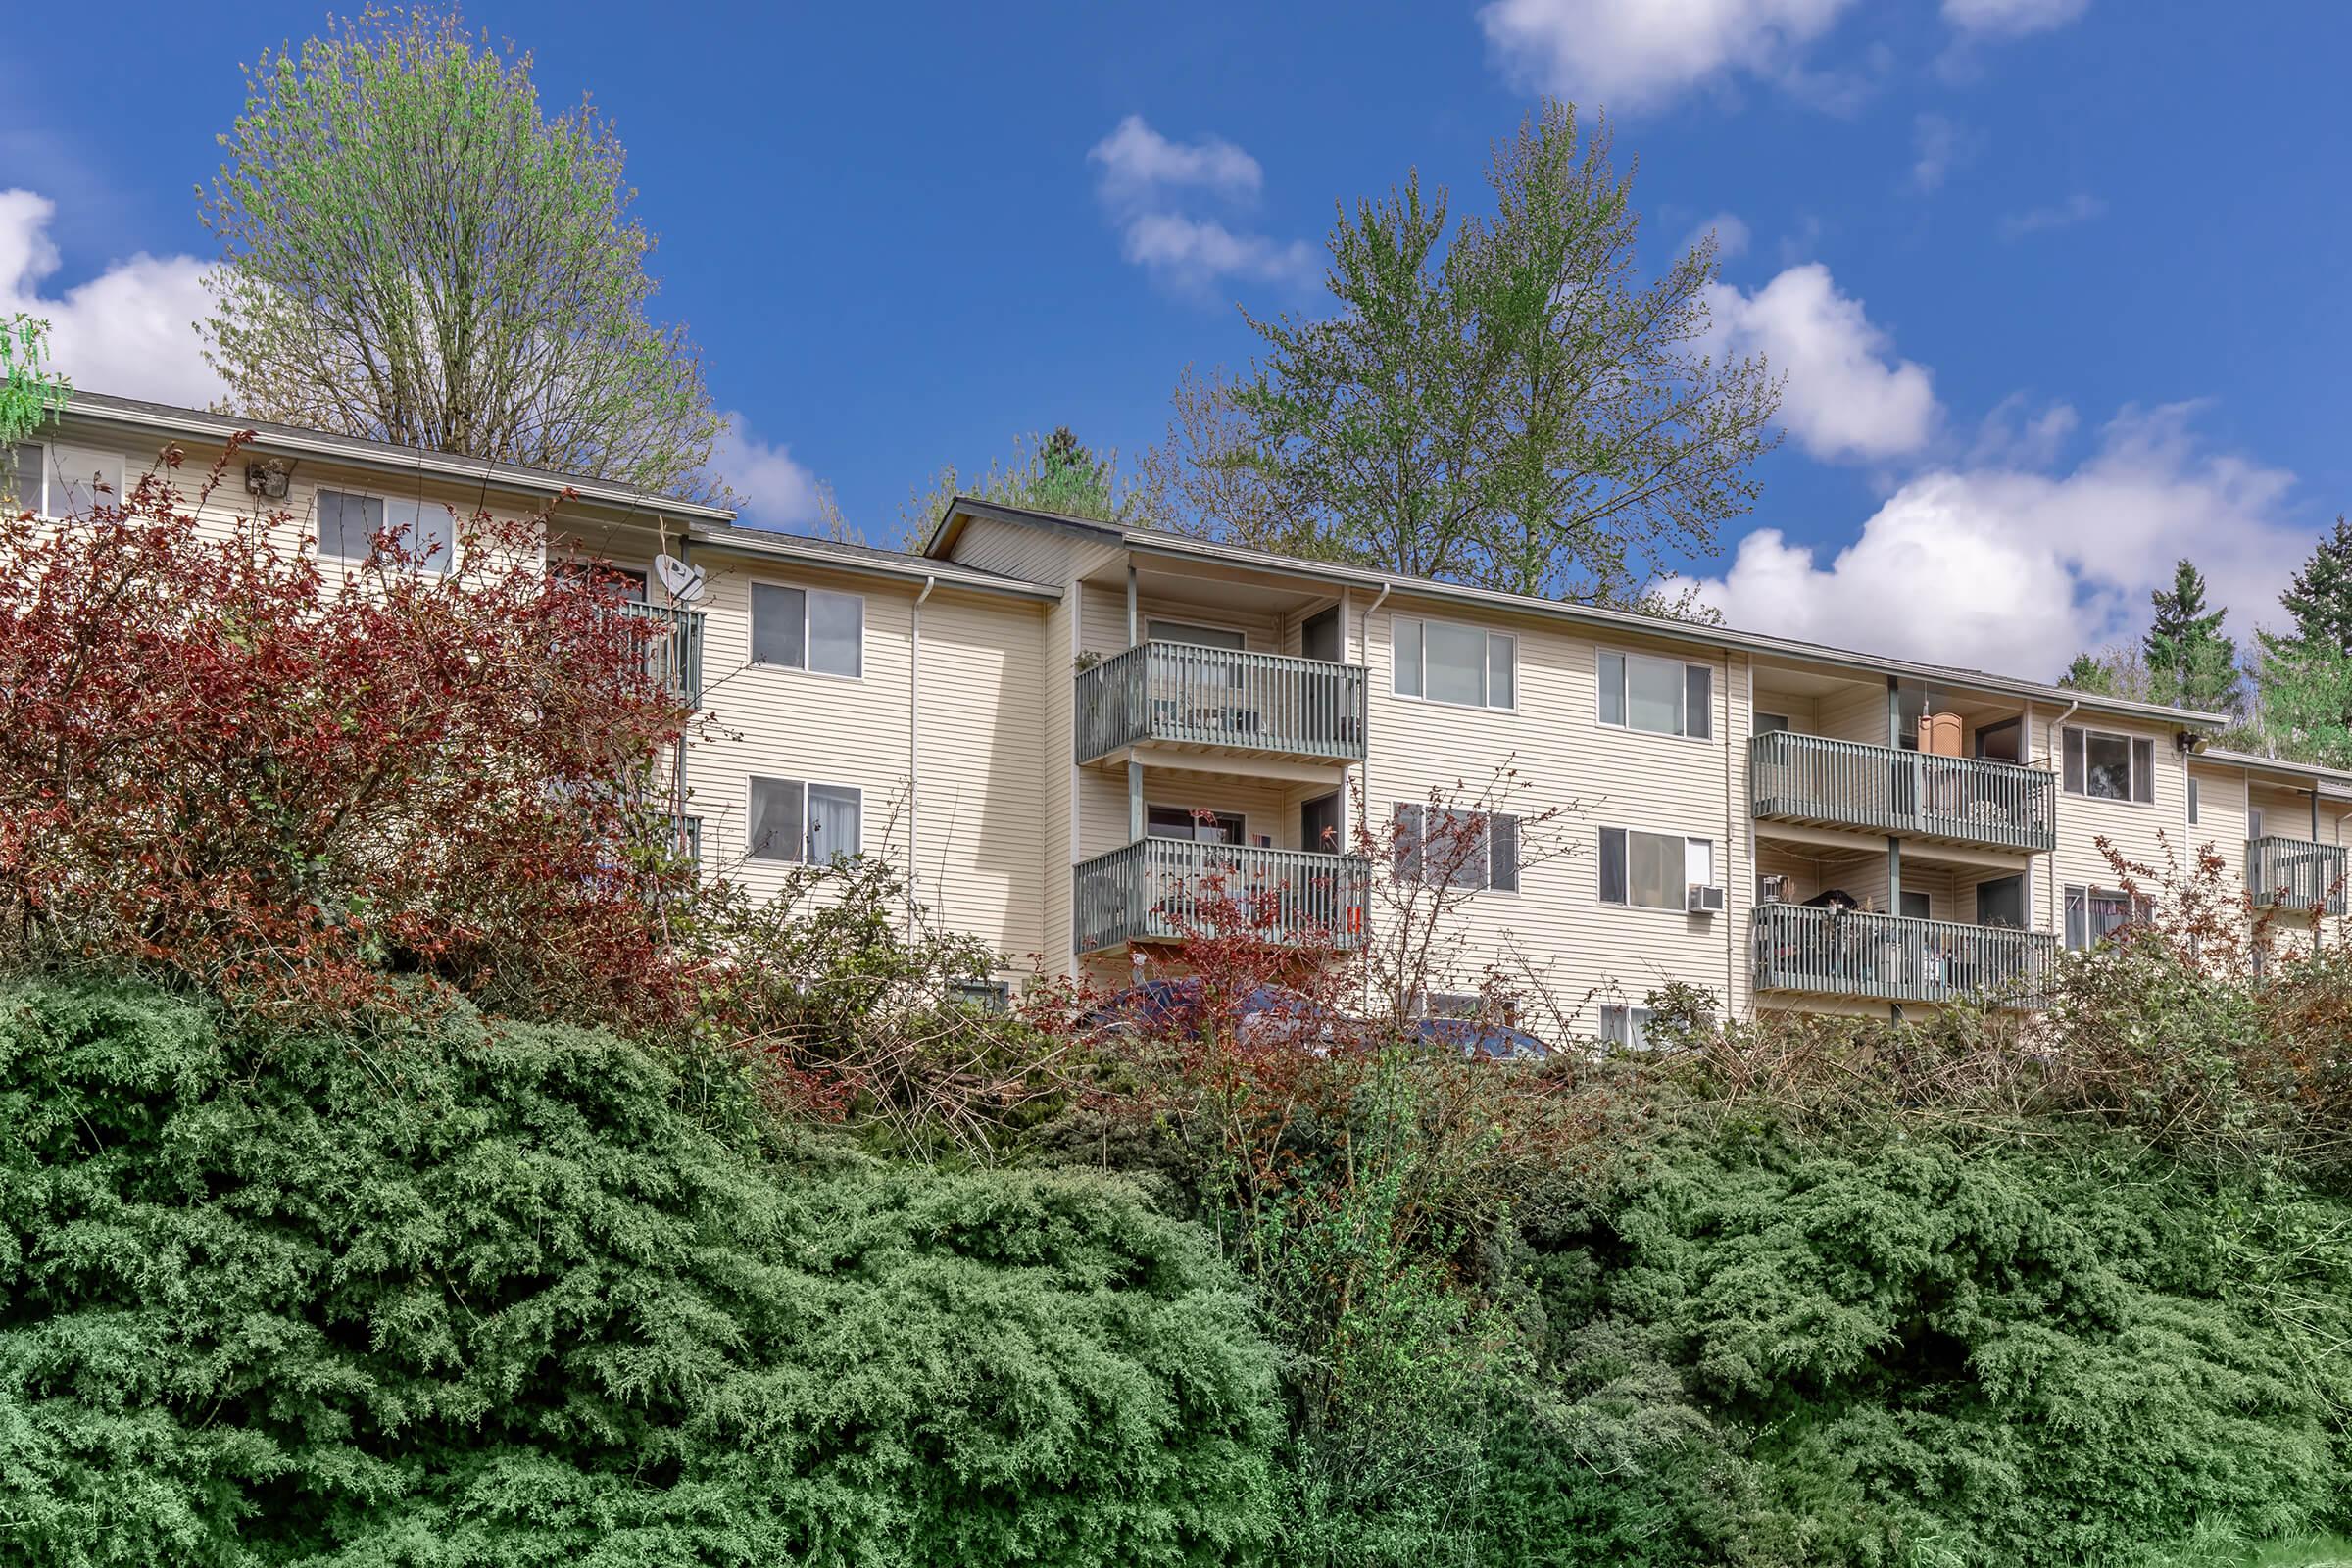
(1893,957)
(674,654)
(1884,789)
(2296,874)
(1165,890)
(1186,694)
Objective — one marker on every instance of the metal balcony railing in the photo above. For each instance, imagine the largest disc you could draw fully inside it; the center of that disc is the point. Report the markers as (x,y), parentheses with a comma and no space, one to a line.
(2296,874)
(675,655)
(1188,694)
(1849,952)
(1164,890)
(1884,789)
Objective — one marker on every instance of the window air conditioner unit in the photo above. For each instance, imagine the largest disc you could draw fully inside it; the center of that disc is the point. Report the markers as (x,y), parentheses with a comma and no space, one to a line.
(1702,900)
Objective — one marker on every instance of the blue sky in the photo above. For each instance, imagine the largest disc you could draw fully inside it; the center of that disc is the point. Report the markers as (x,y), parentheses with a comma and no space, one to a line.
(2056,283)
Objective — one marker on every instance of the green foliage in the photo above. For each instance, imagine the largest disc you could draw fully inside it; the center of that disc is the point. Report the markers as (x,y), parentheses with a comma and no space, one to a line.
(1053,473)
(416,254)
(492,1296)
(1498,401)
(29,392)
(2189,661)
(2320,596)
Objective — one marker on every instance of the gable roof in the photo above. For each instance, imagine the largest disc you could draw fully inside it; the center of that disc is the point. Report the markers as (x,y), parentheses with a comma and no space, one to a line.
(843,557)
(1174,545)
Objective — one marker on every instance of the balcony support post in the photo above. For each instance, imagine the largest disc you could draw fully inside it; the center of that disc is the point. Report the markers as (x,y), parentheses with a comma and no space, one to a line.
(1894,896)
(1132,628)
(1135,798)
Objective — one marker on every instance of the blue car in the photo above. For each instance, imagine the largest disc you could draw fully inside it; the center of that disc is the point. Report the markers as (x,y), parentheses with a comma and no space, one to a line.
(1173,1006)
(1473,1039)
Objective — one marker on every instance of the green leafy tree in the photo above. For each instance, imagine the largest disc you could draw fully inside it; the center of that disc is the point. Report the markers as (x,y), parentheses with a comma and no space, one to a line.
(416,254)
(1057,472)
(2188,657)
(30,391)
(1500,401)
(2304,676)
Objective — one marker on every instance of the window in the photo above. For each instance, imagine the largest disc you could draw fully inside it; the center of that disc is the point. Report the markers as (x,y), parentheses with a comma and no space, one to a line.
(1916,906)
(1771,723)
(796,822)
(1204,827)
(1446,663)
(1460,849)
(348,526)
(81,479)
(1625,1026)
(1652,870)
(807,628)
(2110,767)
(2093,914)
(1179,631)
(988,995)
(1451,1004)
(2192,801)
(21,477)
(1658,695)
(2253,822)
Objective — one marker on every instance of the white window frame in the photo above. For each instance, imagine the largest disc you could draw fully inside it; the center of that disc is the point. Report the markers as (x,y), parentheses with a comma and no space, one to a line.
(440,565)
(1601,870)
(1625,707)
(1486,881)
(982,992)
(2135,909)
(2131,752)
(1243,817)
(807,593)
(45,461)
(2195,804)
(1626,1025)
(1485,669)
(804,785)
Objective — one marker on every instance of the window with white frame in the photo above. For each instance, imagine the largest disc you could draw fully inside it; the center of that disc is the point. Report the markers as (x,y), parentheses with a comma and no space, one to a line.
(57,480)
(2093,914)
(988,995)
(21,477)
(349,525)
(1443,662)
(1444,845)
(2105,766)
(803,823)
(807,628)
(1653,870)
(1625,1026)
(1452,1005)
(1657,695)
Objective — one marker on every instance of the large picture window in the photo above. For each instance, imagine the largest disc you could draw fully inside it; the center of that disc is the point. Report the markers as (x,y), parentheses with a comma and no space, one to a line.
(2093,914)
(1652,870)
(60,481)
(1441,661)
(803,823)
(349,523)
(807,628)
(2105,766)
(1658,695)
(1440,845)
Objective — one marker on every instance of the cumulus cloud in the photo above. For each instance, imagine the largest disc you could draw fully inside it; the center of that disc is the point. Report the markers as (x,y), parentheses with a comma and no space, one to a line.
(2011,18)
(2015,572)
(1637,54)
(772,488)
(1938,146)
(2075,210)
(129,331)
(1155,191)
(1847,397)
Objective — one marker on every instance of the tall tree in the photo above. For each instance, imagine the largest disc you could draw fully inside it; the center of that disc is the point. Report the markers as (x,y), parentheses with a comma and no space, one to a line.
(30,392)
(1051,473)
(2320,596)
(415,253)
(2189,659)
(2304,676)
(1501,400)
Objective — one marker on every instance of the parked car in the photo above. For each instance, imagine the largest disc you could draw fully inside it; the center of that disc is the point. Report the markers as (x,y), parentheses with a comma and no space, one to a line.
(1475,1039)
(1173,1006)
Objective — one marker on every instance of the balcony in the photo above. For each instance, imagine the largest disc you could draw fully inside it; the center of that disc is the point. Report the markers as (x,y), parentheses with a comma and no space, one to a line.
(674,653)
(1164,890)
(1176,694)
(1893,957)
(2296,874)
(1818,782)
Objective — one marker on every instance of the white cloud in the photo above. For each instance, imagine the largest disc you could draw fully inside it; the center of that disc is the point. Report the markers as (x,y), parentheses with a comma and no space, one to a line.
(129,331)
(772,488)
(2008,437)
(2013,571)
(1847,397)
(1732,236)
(1636,54)
(1938,145)
(1153,189)
(2011,18)
(2075,210)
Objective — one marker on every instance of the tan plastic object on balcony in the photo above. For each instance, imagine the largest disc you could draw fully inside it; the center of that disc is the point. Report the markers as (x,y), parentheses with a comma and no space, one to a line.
(1939,734)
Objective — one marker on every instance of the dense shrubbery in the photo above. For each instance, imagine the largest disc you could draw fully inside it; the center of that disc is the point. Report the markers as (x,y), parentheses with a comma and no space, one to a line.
(491,1296)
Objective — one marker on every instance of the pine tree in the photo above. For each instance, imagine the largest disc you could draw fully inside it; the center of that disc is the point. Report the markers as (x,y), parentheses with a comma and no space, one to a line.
(2189,659)
(2320,596)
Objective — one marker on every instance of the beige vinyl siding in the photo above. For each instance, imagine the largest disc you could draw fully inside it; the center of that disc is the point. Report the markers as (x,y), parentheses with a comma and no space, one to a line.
(1032,555)
(1856,712)
(2138,832)
(1105,626)
(1063,781)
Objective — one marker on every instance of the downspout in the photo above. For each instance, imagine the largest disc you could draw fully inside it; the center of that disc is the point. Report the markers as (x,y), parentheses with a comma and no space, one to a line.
(2057,923)
(678,770)
(915,752)
(1387,587)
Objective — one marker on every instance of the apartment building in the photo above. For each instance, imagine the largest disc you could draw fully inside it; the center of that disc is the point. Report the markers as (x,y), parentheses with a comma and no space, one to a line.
(1059,727)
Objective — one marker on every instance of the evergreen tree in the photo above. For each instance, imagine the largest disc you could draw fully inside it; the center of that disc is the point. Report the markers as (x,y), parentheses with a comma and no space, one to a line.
(2320,596)
(2189,661)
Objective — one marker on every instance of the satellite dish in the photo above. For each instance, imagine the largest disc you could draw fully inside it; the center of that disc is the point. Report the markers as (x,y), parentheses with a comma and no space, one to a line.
(685,583)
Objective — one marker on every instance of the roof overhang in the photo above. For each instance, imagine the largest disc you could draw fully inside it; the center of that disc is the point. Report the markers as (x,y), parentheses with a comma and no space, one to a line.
(804,550)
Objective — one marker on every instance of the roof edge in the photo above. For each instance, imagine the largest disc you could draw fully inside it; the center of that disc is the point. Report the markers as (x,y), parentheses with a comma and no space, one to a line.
(912,568)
